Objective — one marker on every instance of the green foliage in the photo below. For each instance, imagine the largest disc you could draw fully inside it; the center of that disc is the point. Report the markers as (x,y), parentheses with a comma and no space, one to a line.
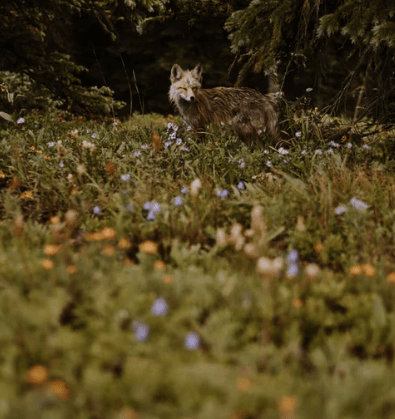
(130,304)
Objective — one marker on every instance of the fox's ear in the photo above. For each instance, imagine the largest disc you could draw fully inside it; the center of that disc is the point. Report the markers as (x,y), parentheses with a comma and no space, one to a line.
(197,72)
(175,73)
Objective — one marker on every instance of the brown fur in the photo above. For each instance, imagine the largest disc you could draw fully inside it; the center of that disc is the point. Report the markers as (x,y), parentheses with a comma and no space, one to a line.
(246,110)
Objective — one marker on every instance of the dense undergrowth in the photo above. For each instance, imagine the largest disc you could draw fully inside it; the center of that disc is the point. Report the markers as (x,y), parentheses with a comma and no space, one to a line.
(148,273)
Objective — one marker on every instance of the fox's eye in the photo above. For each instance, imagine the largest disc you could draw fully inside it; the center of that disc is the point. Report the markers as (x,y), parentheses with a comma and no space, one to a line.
(194,89)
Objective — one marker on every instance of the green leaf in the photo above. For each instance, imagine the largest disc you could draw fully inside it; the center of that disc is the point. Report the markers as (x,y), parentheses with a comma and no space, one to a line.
(6,116)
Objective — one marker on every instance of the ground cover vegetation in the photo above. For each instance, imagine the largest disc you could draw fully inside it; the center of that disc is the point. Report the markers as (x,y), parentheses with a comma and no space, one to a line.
(149,273)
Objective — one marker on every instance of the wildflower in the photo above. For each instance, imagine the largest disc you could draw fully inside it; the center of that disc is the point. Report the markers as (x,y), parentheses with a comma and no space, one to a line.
(159,307)
(329,151)
(108,250)
(265,267)
(309,89)
(287,406)
(94,135)
(303,152)
(293,256)
(151,216)
(358,204)
(368,269)
(298,134)
(167,279)
(124,243)
(222,193)
(37,375)
(366,147)
(168,144)
(184,191)
(160,265)
(47,264)
(21,121)
(61,165)
(390,278)
(251,250)
(145,147)
(125,177)
(177,201)
(147,206)
(355,270)
(318,151)
(269,163)
(137,153)
(141,330)
(149,247)
(96,210)
(341,209)
(258,223)
(71,269)
(178,141)
(51,143)
(312,270)
(282,151)
(221,238)
(192,341)
(52,249)
(297,303)
(349,145)
(128,207)
(60,389)
(184,148)
(195,187)
(240,185)
(155,207)
(241,163)
(292,271)
(265,151)
(333,144)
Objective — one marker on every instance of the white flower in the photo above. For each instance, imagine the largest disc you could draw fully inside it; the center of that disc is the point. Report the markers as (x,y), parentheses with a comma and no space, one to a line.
(349,145)
(21,121)
(298,134)
(195,187)
(318,151)
(283,151)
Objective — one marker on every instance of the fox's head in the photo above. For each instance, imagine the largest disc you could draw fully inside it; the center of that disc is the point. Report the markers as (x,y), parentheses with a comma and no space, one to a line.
(185,84)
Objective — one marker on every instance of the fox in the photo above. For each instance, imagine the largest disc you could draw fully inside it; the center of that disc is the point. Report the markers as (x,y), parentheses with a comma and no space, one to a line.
(246,110)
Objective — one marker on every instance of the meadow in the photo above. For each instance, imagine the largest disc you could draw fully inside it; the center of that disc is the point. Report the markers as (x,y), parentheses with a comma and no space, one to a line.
(148,273)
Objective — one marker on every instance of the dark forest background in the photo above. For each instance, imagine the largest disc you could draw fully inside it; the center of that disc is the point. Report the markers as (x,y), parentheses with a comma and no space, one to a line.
(114,56)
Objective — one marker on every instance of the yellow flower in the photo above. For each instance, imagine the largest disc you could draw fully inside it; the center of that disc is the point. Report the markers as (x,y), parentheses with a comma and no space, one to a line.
(108,233)
(37,375)
(47,264)
(167,279)
(149,247)
(124,243)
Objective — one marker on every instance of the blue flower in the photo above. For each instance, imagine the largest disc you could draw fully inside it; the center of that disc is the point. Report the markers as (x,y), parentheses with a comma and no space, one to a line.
(178,141)
(192,341)
(145,147)
(292,270)
(168,144)
(293,256)
(125,177)
(223,193)
(94,135)
(51,143)
(151,216)
(141,330)
(155,207)
(147,206)
(159,307)
(96,210)
(309,89)
(136,153)
(358,204)
(184,191)
(240,186)
(61,165)
(341,209)
(177,201)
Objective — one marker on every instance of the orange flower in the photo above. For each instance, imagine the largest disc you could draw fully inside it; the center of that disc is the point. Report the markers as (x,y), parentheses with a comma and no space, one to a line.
(108,250)
(54,220)
(108,233)
(244,383)
(355,270)
(37,375)
(167,279)
(149,247)
(124,243)
(26,195)
(47,264)
(287,404)
(52,249)
(59,387)
(391,278)
(368,269)
(160,265)
(71,269)
(318,247)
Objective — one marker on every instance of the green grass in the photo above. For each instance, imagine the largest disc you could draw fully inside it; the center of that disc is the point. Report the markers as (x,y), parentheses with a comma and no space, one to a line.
(196,308)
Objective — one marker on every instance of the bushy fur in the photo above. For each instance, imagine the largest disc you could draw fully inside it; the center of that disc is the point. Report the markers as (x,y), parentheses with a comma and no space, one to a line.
(246,110)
